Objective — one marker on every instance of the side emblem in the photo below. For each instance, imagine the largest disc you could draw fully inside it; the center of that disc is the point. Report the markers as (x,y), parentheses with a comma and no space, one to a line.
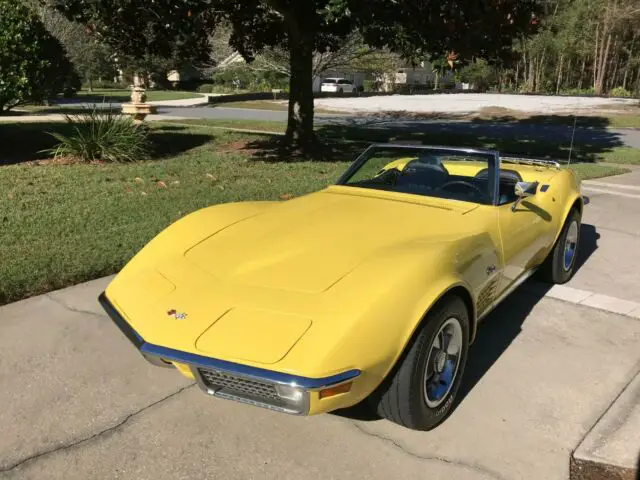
(177,315)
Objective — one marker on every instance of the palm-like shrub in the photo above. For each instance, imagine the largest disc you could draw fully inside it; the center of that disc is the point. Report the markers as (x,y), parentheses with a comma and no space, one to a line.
(102,135)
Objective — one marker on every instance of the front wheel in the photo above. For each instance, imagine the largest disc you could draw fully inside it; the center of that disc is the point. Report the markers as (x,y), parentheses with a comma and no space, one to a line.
(420,392)
(559,266)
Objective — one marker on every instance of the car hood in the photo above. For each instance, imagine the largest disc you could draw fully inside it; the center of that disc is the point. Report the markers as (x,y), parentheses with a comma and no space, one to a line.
(257,285)
(309,244)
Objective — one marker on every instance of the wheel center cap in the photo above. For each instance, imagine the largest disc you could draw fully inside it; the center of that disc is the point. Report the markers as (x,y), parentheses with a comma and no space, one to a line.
(440,361)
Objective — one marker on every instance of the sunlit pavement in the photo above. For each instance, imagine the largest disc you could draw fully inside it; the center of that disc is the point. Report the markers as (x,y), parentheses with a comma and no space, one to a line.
(79,402)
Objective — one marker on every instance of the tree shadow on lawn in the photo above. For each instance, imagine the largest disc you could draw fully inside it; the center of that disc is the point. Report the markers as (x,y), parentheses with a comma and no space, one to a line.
(516,139)
(343,139)
(24,142)
(327,149)
(497,331)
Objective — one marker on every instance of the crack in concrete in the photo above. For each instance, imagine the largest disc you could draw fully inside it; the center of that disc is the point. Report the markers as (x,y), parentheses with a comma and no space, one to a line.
(82,441)
(449,461)
(73,309)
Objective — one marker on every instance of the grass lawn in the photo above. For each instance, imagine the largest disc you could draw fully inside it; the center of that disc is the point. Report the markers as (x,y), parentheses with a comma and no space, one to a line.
(124,95)
(590,153)
(619,118)
(64,224)
(275,105)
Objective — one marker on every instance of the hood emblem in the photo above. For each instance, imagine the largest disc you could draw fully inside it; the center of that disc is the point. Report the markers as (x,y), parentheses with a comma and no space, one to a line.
(177,315)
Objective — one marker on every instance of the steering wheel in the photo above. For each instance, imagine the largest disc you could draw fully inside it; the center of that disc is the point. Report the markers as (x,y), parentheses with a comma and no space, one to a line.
(462,183)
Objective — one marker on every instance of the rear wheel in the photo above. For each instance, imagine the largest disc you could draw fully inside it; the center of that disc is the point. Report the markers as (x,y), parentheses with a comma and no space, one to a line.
(559,266)
(420,392)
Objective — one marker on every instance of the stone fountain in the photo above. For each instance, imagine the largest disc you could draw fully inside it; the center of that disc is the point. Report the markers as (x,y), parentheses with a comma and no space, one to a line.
(138,108)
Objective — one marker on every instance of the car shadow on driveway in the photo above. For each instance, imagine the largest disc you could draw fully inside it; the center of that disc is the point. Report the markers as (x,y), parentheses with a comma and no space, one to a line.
(497,331)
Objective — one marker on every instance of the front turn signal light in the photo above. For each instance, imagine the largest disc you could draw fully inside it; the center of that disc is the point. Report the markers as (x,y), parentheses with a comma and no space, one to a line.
(338,389)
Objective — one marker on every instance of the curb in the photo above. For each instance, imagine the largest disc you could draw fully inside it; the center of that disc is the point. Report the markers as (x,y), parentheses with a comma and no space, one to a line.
(611,448)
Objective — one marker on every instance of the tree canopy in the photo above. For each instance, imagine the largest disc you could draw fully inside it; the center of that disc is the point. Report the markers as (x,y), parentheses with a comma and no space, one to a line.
(413,28)
(33,64)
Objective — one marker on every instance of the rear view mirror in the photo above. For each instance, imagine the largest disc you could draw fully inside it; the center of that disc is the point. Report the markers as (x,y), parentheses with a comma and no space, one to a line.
(524,190)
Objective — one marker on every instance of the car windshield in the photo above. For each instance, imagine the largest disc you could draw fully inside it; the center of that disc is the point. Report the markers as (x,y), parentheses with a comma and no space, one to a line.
(329,80)
(450,173)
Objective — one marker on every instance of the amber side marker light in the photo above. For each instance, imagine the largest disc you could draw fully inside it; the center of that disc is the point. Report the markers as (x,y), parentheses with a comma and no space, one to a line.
(332,391)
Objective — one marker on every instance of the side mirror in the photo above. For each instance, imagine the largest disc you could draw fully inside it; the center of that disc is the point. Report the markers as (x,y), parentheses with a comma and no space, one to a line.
(524,190)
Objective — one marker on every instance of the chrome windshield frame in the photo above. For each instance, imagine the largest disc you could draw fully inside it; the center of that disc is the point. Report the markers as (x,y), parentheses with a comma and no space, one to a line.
(493,158)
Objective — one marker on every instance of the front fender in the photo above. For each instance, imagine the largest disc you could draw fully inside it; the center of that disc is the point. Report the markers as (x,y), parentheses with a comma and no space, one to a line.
(398,290)
(188,231)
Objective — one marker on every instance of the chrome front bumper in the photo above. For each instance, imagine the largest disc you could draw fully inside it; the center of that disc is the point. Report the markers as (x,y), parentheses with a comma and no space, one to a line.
(278,391)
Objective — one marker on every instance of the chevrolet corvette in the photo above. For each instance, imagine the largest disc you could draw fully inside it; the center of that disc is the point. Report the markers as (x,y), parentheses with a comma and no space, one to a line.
(370,289)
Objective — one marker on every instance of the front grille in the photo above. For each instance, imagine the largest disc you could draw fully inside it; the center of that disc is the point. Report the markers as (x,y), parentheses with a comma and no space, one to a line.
(239,386)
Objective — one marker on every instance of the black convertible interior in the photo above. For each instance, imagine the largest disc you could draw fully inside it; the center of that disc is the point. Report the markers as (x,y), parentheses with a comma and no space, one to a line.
(428,176)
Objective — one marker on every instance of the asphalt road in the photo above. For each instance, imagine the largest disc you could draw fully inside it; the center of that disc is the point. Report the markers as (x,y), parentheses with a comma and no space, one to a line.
(597,136)
(79,402)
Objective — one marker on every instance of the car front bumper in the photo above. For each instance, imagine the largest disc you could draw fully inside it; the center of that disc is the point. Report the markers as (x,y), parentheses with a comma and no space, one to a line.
(278,391)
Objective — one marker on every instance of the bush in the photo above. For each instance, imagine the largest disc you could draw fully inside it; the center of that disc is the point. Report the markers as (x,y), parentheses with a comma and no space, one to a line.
(103,135)
(241,77)
(33,64)
(372,85)
(578,91)
(479,74)
(620,92)
(206,88)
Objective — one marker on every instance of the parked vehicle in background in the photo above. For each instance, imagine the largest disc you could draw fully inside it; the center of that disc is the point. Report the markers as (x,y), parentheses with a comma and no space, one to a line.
(337,85)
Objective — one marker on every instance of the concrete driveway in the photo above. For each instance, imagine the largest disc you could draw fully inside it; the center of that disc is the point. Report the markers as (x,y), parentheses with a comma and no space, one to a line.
(79,402)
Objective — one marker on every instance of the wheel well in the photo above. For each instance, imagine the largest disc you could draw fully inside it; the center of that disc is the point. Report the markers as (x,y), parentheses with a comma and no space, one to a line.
(462,293)
(577,205)
(457,291)
(466,297)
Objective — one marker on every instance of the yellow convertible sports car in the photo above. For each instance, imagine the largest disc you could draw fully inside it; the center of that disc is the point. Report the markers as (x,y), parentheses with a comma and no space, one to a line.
(372,288)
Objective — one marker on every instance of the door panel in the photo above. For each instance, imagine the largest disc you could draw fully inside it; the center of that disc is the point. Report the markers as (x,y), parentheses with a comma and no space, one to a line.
(524,236)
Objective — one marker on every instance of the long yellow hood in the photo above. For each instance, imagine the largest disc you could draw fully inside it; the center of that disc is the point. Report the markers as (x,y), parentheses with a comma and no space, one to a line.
(247,282)
(309,244)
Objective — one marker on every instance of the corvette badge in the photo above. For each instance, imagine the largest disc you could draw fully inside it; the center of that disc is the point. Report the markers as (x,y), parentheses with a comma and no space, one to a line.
(177,315)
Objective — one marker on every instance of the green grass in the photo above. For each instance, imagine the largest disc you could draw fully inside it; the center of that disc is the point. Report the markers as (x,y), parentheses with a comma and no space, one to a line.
(256,104)
(621,155)
(64,224)
(589,153)
(586,171)
(263,125)
(279,106)
(124,95)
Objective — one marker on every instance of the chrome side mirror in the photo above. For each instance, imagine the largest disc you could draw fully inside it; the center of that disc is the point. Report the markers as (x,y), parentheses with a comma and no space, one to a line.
(524,190)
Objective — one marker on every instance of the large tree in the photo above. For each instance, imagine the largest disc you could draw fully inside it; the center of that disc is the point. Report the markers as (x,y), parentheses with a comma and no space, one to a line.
(33,64)
(414,28)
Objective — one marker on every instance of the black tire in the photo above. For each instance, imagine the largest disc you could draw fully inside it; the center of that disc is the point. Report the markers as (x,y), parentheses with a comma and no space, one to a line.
(402,396)
(554,269)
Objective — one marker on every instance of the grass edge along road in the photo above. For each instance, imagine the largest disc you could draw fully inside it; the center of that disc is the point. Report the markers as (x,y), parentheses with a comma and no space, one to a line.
(65,224)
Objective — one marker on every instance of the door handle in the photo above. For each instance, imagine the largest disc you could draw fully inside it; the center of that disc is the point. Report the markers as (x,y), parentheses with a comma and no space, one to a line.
(491,269)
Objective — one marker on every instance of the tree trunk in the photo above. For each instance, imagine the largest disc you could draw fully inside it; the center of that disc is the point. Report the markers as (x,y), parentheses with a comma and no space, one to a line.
(300,134)
(595,57)
(603,66)
(626,75)
(531,76)
(584,65)
(540,71)
(559,81)
(90,85)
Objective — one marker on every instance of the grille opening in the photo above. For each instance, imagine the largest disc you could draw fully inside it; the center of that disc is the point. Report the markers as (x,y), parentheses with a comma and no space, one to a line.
(242,387)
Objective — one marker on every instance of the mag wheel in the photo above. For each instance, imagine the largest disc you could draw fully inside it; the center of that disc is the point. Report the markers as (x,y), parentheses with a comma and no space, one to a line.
(559,266)
(420,392)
